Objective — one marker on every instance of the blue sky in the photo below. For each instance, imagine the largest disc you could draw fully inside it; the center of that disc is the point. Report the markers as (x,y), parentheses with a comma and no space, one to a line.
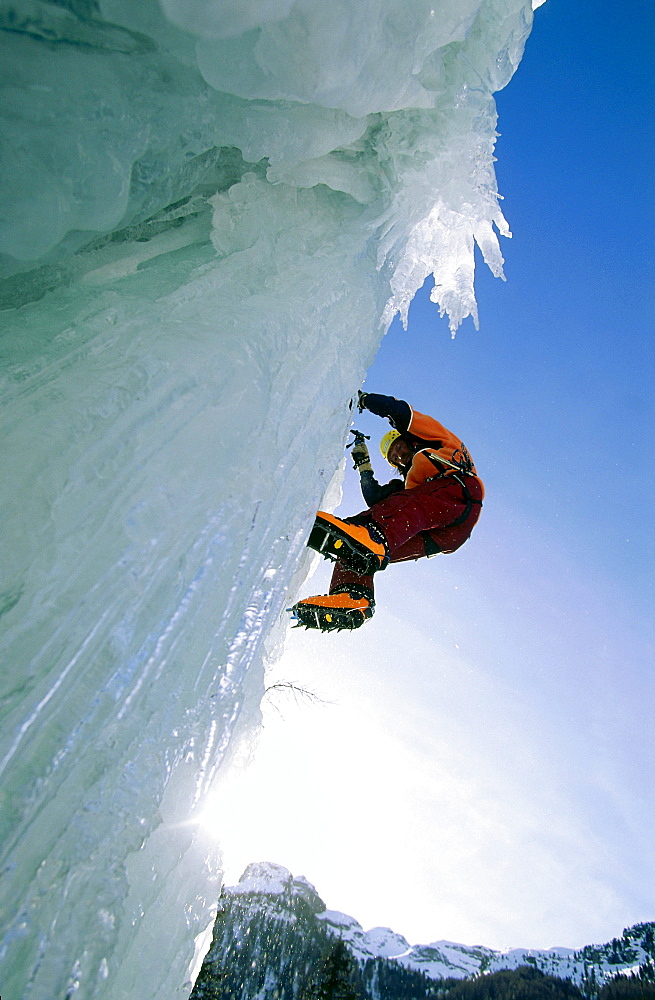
(484,769)
(560,376)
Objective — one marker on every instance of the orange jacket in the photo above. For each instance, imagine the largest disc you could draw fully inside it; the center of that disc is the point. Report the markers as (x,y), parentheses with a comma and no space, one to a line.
(446,447)
(440,443)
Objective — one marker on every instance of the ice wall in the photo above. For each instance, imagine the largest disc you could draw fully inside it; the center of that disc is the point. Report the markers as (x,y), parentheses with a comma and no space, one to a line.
(210,213)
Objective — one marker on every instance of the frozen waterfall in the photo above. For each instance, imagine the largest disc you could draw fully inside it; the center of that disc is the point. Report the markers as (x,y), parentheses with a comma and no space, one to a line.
(212,209)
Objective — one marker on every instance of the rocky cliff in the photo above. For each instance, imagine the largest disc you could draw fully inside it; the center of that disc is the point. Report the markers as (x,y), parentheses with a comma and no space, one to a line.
(273,929)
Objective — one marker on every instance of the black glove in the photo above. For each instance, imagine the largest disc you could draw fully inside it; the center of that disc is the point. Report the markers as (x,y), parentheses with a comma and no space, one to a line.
(361,400)
(361,457)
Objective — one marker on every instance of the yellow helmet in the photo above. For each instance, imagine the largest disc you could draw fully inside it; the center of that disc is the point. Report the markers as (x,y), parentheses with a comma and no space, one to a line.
(386,443)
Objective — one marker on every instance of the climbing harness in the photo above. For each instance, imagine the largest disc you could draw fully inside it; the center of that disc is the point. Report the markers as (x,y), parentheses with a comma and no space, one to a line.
(463,466)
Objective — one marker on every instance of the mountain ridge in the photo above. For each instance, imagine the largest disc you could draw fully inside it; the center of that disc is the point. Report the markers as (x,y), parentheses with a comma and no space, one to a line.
(272,926)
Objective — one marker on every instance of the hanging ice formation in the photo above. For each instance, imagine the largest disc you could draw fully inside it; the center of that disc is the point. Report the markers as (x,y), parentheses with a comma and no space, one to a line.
(211,212)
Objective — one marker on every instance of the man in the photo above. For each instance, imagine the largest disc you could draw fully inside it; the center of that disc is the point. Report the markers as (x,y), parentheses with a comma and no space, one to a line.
(433,509)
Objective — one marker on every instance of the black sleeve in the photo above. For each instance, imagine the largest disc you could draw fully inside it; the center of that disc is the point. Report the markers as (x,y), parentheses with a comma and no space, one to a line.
(373,492)
(397,411)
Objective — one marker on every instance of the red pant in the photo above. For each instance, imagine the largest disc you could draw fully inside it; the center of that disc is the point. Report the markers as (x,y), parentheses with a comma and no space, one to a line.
(431,507)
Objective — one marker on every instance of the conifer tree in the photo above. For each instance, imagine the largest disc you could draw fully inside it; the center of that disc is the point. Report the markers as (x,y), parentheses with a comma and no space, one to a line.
(336,977)
(628,987)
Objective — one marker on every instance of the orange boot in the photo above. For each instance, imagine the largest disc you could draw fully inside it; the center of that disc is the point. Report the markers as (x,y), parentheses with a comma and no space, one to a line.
(348,609)
(359,547)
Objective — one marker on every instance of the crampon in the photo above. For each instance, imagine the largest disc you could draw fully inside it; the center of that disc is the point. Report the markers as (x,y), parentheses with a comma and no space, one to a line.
(330,612)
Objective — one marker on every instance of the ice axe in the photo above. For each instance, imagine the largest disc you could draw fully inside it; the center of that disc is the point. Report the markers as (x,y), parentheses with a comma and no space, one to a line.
(358,438)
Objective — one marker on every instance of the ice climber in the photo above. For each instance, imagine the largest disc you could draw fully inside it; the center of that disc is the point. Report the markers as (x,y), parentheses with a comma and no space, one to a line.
(432,509)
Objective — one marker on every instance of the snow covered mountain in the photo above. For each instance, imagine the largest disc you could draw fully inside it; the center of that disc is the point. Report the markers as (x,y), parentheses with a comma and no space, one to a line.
(271,929)
(210,213)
